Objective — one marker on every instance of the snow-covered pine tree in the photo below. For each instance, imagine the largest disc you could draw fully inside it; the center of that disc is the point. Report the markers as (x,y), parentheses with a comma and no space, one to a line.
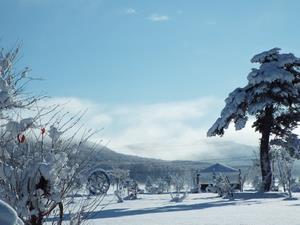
(272,95)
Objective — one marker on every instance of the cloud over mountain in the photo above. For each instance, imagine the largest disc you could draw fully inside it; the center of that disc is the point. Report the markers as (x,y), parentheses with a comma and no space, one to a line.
(166,130)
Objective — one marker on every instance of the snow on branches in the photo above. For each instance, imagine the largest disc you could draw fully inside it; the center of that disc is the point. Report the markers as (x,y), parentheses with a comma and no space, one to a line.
(274,84)
(291,144)
(10,82)
(41,163)
(233,111)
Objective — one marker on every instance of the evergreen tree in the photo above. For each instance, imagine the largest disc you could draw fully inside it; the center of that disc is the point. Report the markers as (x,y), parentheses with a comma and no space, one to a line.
(272,95)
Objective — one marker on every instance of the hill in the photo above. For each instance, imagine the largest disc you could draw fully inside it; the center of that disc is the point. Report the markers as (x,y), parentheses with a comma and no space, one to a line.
(140,167)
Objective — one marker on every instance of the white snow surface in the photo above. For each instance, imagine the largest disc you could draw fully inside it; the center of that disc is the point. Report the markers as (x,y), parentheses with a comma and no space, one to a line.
(203,208)
(8,216)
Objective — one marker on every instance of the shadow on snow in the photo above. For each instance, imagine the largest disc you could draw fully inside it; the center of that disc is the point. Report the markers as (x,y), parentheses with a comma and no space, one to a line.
(249,198)
(120,212)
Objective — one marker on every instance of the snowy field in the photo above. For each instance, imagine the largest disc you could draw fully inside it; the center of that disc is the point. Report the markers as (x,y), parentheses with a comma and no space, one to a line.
(205,209)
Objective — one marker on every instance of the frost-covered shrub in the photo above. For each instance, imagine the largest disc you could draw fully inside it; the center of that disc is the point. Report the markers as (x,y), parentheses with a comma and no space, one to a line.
(222,186)
(179,181)
(179,185)
(40,165)
(284,151)
(157,186)
(132,189)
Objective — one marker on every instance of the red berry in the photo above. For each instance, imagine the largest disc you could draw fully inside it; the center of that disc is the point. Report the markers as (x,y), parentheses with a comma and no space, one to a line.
(21,138)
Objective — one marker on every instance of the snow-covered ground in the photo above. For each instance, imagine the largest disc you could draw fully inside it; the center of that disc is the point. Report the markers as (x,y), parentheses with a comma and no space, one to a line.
(204,208)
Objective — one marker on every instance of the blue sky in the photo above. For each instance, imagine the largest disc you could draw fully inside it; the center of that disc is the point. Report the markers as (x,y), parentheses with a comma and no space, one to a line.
(111,54)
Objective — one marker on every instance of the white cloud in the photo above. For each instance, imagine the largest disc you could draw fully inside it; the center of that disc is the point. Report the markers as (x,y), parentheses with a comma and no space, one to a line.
(167,130)
(159,18)
(130,11)
(94,114)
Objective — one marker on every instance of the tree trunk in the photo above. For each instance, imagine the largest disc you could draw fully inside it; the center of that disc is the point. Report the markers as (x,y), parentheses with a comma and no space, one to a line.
(36,220)
(265,162)
(61,213)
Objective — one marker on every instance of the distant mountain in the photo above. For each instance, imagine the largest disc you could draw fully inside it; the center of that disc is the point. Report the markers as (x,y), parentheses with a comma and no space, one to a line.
(141,167)
(232,154)
(226,151)
(214,151)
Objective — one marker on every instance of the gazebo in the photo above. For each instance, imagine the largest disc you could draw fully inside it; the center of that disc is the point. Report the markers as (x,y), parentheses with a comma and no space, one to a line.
(206,176)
